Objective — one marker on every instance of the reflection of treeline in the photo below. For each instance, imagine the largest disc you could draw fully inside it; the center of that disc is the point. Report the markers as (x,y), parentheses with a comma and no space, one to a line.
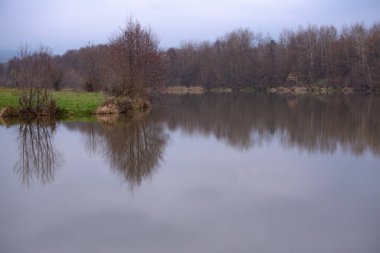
(320,55)
(132,147)
(314,123)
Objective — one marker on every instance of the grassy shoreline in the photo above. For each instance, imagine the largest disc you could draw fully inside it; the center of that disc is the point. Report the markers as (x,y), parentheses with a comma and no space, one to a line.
(69,103)
(84,104)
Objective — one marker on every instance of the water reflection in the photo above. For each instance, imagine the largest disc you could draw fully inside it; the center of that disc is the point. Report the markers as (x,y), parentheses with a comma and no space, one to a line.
(315,123)
(38,157)
(133,147)
(208,197)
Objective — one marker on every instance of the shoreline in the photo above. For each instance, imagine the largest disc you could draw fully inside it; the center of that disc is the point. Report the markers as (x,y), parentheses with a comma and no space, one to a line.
(181,90)
(87,104)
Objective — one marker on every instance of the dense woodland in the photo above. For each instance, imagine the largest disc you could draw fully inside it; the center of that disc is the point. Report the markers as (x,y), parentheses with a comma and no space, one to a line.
(309,56)
(315,55)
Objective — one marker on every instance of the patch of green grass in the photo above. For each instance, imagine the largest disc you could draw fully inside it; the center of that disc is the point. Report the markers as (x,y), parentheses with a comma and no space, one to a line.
(68,102)
(77,103)
(8,97)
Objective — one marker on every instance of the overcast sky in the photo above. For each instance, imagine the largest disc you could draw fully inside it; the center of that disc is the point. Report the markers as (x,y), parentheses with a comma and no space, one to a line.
(65,24)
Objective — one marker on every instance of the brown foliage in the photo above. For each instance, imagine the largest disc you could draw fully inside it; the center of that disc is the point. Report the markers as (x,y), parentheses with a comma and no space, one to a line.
(309,56)
(134,61)
(132,65)
(33,75)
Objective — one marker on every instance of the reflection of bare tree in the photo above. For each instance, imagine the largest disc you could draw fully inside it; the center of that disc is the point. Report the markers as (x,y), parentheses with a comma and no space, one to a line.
(132,146)
(39,159)
(134,150)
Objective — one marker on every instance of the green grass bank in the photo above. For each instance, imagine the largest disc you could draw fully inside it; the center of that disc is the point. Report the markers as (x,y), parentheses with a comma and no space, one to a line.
(69,103)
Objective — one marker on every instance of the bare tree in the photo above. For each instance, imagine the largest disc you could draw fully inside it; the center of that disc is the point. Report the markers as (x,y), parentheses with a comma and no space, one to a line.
(33,75)
(3,78)
(134,61)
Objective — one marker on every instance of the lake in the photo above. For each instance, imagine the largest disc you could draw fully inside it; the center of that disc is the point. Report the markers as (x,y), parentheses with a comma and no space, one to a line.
(198,173)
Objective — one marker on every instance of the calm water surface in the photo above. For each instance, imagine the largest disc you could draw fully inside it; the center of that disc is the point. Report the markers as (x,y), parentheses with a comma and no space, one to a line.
(209,173)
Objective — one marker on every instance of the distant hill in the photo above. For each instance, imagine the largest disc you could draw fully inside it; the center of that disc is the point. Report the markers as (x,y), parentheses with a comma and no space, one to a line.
(6,55)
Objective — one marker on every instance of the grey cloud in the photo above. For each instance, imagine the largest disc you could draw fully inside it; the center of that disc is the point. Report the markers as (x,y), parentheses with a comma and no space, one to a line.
(71,24)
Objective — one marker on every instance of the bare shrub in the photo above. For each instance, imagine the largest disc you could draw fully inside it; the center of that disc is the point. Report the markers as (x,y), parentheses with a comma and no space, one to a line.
(33,75)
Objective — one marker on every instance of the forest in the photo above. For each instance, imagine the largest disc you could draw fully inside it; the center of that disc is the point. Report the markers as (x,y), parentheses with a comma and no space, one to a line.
(309,56)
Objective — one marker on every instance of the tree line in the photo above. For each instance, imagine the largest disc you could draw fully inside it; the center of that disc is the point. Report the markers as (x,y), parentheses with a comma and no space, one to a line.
(315,55)
(132,63)
(127,69)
